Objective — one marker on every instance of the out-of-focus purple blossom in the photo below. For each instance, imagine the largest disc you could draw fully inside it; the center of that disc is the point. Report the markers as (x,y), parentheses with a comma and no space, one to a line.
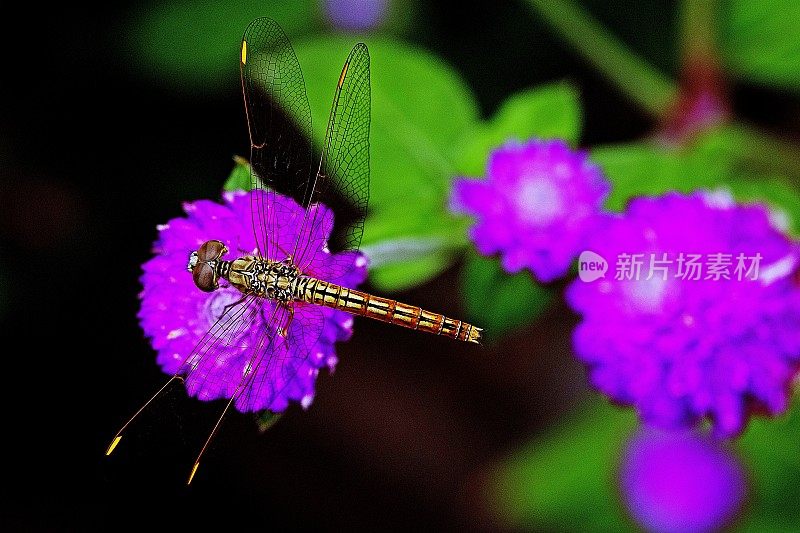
(535,207)
(356,15)
(680,482)
(680,350)
(175,314)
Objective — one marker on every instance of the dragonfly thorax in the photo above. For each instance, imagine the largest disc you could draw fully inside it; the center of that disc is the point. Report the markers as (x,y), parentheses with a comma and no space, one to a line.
(276,280)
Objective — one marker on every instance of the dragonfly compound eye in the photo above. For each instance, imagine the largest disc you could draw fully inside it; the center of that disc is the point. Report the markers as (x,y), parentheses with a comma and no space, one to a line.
(211,251)
(204,277)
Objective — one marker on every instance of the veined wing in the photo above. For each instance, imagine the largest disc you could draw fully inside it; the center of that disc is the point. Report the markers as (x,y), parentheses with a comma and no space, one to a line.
(278,117)
(218,340)
(342,180)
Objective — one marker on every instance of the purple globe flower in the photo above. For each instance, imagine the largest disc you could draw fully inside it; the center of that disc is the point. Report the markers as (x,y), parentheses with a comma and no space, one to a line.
(680,348)
(679,482)
(535,207)
(175,314)
(355,14)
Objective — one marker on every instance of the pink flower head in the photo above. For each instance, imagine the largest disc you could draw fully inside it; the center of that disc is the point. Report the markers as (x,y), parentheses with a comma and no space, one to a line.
(175,314)
(680,482)
(535,206)
(682,343)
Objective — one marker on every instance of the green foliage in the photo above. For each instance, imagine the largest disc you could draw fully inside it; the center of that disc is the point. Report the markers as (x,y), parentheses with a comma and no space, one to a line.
(425,131)
(420,108)
(760,42)
(769,448)
(500,302)
(638,169)
(195,45)
(725,157)
(548,112)
(565,481)
(239,179)
(266,419)
(783,198)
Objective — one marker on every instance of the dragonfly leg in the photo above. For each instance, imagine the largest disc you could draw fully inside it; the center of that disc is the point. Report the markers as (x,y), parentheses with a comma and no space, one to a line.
(284,252)
(284,331)
(234,304)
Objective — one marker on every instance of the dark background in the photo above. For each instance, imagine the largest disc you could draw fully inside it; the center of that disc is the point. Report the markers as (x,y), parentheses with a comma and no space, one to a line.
(94,156)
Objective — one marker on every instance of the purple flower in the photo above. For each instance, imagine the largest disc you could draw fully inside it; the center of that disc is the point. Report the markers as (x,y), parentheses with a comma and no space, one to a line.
(681,349)
(680,482)
(535,207)
(175,314)
(355,14)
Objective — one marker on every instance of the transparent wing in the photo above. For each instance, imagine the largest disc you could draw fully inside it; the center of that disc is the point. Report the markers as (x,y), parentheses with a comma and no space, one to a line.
(278,118)
(244,355)
(275,370)
(342,180)
(226,336)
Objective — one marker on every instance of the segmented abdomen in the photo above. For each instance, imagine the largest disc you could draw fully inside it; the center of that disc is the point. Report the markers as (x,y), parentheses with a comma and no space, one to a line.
(359,303)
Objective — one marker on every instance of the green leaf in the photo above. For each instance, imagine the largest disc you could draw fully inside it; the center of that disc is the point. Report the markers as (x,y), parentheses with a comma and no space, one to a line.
(405,275)
(195,46)
(759,41)
(548,112)
(769,447)
(565,481)
(638,169)
(405,251)
(239,179)
(498,301)
(420,108)
(727,157)
(266,419)
(783,199)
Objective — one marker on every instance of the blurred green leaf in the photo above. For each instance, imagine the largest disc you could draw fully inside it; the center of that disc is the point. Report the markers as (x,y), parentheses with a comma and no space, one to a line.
(405,251)
(402,262)
(420,108)
(646,169)
(408,274)
(195,45)
(547,112)
(498,301)
(726,157)
(713,159)
(783,199)
(760,42)
(266,419)
(566,480)
(769,447)
(239,179)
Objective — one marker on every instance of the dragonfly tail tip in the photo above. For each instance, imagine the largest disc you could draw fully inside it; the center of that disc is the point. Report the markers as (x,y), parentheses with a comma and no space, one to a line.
(475,335)
(113,444)
(194,471)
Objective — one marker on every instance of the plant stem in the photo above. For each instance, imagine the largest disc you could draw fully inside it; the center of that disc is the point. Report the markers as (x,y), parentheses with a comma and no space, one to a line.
(650,89)
(698,27)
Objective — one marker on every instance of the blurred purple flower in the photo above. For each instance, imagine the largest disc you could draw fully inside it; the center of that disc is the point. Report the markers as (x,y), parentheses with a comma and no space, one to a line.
(355,14)
(681,350)
(175,314)
(679,482)
(535,206)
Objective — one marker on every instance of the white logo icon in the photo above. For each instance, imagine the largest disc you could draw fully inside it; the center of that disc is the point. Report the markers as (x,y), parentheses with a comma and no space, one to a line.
(591,266)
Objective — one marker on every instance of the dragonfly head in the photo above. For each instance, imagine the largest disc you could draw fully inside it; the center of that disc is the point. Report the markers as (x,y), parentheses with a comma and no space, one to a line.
(202,265)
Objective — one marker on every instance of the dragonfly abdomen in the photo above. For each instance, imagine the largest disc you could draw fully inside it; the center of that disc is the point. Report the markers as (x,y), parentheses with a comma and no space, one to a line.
(319,292)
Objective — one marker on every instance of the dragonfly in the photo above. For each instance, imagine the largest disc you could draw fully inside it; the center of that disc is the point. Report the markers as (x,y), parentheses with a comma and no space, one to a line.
(281,163)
